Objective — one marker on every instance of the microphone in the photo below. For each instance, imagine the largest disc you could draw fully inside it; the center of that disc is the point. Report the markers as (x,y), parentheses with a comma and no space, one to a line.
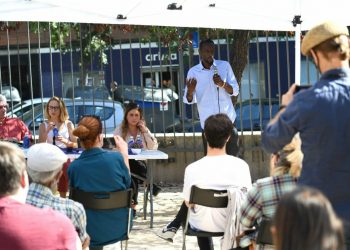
(216,73)
(55,133)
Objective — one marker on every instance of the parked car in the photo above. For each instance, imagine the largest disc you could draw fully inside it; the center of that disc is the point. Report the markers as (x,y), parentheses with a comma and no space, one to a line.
(110,112)
(88,92)
(255,116)
(159,105)
(11,94)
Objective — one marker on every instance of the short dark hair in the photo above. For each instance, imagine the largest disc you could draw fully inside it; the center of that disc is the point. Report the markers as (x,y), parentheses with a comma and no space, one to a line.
(12,166)
(217,130)
(206,42)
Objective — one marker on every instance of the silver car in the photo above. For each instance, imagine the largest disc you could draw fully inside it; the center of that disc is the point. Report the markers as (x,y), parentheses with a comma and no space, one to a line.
(110,112)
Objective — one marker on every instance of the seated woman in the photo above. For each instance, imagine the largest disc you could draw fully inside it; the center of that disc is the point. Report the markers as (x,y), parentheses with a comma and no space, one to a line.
(58,122)
(133,125)
(262,199)
(97,170)
(57,117)
(305,219)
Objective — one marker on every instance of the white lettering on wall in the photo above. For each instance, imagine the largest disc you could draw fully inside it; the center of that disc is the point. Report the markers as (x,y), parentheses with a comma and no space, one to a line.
(157,57)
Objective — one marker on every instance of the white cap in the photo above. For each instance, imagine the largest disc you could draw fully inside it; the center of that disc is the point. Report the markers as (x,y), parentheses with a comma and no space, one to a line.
(44,157)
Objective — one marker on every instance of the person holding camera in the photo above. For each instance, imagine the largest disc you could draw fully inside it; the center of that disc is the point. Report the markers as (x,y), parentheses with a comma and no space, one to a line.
(321,115)
(211,84)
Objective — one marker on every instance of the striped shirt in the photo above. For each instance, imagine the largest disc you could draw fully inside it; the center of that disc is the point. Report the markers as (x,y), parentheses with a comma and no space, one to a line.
(42,197)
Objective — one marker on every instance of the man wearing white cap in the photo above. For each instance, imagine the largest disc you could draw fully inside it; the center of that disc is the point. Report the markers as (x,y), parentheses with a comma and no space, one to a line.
(44,165)
(321,115)
(24,227)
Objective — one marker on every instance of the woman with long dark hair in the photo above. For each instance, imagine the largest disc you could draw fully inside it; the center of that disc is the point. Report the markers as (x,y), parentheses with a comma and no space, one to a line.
(134,126)
(305,219)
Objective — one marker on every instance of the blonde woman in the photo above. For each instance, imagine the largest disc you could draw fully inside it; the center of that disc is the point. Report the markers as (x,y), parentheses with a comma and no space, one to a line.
(57,119)
(262,199)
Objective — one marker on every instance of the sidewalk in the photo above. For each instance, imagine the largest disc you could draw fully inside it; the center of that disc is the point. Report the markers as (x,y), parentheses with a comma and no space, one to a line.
(166,205)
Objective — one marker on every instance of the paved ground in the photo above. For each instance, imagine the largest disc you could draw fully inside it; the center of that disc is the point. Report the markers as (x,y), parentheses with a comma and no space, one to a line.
(166,205)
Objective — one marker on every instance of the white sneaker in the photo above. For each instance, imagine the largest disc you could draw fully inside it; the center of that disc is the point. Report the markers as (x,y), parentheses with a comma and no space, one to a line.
(167,233)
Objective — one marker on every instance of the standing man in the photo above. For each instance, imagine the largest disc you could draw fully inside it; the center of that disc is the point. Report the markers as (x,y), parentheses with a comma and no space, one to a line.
(10,128)
(24,227)
(321,116)
(210,84)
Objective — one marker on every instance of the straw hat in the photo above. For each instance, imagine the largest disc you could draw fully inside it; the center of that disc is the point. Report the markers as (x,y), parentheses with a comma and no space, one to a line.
(321,33)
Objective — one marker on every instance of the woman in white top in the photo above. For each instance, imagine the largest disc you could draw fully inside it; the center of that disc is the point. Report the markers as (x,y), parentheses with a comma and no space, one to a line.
(133,125)
(57,119)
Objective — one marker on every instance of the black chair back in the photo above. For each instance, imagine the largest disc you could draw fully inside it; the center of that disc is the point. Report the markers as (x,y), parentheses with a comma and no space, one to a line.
(208,197)
(102,200)
(264,233)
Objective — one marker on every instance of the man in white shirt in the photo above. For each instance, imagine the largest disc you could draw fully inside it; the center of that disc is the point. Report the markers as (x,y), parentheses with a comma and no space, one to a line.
(216,170)
(210,84)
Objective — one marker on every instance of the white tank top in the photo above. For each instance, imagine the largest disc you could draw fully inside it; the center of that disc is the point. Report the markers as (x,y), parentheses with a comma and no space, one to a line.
(63,132)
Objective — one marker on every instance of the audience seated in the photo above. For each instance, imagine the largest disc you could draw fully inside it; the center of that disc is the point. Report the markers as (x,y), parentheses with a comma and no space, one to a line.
(44,165)
(262,199)
(98,170)
(11,129)
(24,227)
(305,219)
(216,170)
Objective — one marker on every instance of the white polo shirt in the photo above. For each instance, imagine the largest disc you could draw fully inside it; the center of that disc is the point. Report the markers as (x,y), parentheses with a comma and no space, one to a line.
(214,172)
(211,99)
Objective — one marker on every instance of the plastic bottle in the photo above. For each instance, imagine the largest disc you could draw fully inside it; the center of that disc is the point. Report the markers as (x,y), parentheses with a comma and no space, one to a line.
(139,141)
(130,141)
(55,134)
(26,141)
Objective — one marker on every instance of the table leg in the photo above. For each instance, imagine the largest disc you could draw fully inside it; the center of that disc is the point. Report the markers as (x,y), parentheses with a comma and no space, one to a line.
(149,171)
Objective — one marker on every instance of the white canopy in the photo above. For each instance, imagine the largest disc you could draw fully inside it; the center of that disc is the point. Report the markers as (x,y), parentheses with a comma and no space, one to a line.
(274,15)
(229,14)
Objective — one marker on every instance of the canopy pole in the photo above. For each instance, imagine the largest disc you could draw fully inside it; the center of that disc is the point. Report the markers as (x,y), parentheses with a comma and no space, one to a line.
(297,24)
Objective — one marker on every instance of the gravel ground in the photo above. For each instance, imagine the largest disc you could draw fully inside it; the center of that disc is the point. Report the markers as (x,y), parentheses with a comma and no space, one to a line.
(166,205)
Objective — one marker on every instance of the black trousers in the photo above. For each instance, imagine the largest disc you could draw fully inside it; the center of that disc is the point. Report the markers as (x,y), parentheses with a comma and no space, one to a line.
(138,168)
(204,243)
(232,147)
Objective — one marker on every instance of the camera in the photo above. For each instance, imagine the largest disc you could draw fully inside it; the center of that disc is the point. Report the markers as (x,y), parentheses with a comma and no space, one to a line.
(301,87)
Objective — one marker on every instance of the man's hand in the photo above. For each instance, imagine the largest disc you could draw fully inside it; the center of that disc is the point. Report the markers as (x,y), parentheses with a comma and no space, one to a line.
(218,81)
(288,96)
(286,99)
(191,84)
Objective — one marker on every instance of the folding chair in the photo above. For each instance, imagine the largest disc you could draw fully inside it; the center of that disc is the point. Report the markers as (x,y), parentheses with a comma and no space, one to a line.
(208,198)
(104,201)
(264,236)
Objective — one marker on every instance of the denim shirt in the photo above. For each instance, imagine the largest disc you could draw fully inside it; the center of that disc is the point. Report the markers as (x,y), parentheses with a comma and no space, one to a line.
(321,115)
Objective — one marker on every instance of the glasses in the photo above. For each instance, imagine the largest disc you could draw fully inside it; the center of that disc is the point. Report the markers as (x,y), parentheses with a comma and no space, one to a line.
(54,108)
